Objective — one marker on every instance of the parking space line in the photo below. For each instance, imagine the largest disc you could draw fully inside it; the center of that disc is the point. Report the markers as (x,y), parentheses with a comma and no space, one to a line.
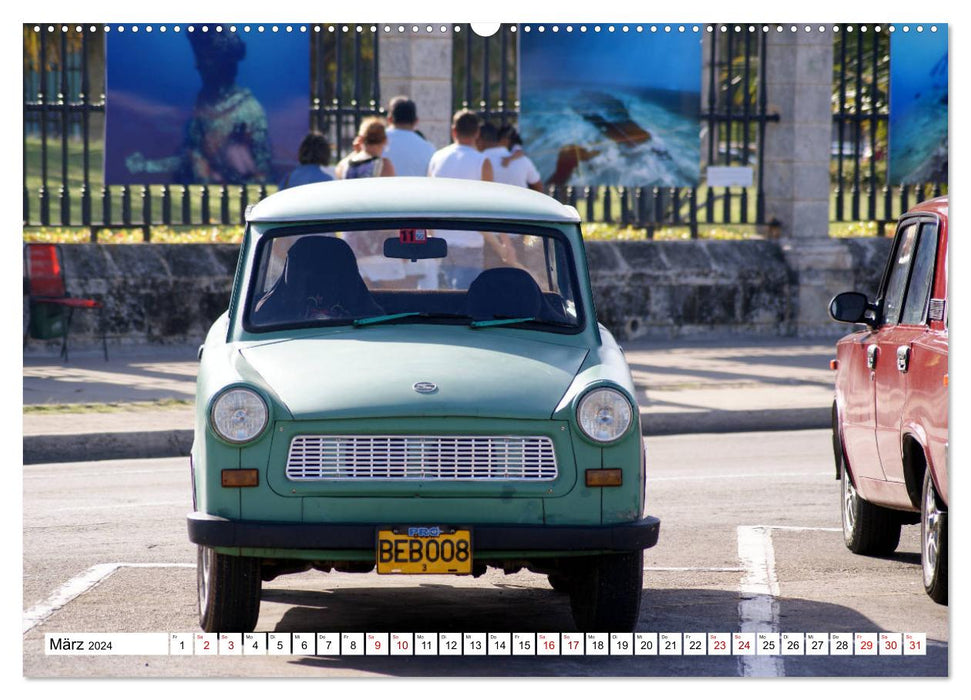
(758,608)
(70,474)
(729,569)
(752,475)
(80,585)
(109,506)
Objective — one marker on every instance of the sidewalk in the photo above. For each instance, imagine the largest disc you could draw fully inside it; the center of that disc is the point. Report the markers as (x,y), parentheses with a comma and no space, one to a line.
(139,404)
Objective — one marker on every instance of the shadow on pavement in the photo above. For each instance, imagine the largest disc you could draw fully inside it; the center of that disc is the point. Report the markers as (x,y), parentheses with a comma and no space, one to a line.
(434,608)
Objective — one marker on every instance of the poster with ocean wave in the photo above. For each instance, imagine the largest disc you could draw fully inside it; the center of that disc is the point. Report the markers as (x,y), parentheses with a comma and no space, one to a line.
(612,108)
(918,105)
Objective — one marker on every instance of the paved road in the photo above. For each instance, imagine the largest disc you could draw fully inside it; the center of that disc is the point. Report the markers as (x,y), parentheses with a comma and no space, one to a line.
(756,512)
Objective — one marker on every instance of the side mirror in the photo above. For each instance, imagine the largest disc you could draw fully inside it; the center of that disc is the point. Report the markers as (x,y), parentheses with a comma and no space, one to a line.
(423,250)
(851,307)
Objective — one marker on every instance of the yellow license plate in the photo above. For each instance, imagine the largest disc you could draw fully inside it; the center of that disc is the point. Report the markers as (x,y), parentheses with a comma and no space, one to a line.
(424,550)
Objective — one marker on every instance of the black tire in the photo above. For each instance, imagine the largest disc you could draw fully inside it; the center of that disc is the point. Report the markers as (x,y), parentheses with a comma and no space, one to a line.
(605,592)
(933,541)
(228,592)
(559,583)
(867,529)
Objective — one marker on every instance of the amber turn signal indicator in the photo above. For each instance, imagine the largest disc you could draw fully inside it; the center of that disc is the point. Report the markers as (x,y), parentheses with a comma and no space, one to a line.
(604,477)
(945,380)
(237,478)
(834,364)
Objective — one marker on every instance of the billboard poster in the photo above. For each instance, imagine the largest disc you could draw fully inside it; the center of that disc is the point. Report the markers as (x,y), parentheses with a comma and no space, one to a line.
(611,108)
(204,104)
(918,105)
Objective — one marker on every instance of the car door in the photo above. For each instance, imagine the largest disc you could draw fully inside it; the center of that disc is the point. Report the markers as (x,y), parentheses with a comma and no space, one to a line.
(903,324)
(926,410)
(855,398)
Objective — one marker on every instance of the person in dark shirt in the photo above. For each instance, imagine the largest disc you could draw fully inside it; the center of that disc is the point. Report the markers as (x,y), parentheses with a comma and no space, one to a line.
(314,155)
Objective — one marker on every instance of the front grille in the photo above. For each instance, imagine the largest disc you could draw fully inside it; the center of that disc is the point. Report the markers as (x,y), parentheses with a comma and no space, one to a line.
(428,457)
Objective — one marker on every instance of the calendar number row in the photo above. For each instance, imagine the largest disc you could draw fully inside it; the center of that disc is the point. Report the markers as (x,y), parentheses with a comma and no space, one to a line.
(491,644)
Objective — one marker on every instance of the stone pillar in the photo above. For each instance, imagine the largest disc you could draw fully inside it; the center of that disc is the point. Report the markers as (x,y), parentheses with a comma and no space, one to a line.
(799,86)
(419,65)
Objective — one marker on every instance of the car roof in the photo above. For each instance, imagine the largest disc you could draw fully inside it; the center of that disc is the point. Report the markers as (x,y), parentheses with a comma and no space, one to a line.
(410,197)
(938,206)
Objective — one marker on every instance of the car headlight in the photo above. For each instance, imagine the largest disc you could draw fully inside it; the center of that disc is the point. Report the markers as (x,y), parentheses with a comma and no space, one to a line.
(239,415)
(604,414)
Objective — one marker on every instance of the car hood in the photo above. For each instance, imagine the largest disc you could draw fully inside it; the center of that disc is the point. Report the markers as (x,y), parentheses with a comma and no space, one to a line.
(479,373)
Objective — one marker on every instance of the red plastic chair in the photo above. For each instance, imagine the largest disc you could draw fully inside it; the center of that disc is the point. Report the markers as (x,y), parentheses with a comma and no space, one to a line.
(46,290)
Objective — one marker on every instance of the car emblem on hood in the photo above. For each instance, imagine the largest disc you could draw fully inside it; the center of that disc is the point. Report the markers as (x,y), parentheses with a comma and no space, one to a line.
(425,387)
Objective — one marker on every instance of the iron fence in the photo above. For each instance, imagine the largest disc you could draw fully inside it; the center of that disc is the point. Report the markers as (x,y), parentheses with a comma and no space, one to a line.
(63,142)
(860,143)
(733,117)
(64,110)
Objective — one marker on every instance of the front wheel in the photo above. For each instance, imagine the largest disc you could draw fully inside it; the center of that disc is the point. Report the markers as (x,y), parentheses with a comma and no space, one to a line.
(605,592)
(933,542)
(228,591)
(867,529)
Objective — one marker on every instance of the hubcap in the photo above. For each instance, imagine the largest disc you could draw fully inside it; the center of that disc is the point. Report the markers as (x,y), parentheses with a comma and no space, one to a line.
(849,505)
(930,534)
(202,579)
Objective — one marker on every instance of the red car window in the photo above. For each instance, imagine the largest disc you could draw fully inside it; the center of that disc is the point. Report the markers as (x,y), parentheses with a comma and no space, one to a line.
(919,288)
(894,296)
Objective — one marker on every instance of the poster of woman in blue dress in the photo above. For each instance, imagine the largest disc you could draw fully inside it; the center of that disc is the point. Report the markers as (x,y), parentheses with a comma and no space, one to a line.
(918,105)
(208,104)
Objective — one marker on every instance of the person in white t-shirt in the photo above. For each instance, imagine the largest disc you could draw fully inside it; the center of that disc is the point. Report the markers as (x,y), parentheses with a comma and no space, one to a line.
(406,149)
(519,172)
(462,160)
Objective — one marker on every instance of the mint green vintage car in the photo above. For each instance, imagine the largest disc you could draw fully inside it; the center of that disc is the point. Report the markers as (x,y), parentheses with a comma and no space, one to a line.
(411,377)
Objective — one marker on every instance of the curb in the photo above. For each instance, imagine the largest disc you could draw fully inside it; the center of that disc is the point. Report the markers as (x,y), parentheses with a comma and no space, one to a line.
(91,447)
(151,444)
(736,421)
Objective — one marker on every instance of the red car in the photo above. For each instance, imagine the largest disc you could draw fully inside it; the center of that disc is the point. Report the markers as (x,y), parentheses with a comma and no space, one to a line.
(890,414)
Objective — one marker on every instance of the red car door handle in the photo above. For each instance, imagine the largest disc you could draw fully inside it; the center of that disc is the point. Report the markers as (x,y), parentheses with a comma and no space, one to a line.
(871,356)
(903,358)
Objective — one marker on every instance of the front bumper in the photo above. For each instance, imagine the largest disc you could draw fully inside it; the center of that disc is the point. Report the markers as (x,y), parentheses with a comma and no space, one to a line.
(212,531)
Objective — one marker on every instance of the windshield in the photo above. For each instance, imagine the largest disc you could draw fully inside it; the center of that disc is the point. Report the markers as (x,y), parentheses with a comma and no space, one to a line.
(414,275)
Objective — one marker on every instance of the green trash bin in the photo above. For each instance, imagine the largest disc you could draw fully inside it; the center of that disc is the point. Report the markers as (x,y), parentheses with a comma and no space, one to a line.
(47,320)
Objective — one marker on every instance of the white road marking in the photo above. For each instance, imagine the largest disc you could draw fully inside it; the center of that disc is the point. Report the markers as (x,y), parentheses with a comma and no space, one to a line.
(121,471)
(731,569)
(763,475)
(105,506)
(758,609)
(80,585)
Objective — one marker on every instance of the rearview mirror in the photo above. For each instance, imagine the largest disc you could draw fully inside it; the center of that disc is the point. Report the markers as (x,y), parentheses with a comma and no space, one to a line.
(850,307)
(419,250)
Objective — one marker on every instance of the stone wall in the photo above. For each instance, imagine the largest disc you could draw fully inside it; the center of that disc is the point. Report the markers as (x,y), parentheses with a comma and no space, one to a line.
(152,293)
(682,288)
(171,293)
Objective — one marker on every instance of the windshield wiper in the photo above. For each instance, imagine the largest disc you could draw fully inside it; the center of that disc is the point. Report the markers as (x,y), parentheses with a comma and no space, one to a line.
(500,321)
(371,320)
